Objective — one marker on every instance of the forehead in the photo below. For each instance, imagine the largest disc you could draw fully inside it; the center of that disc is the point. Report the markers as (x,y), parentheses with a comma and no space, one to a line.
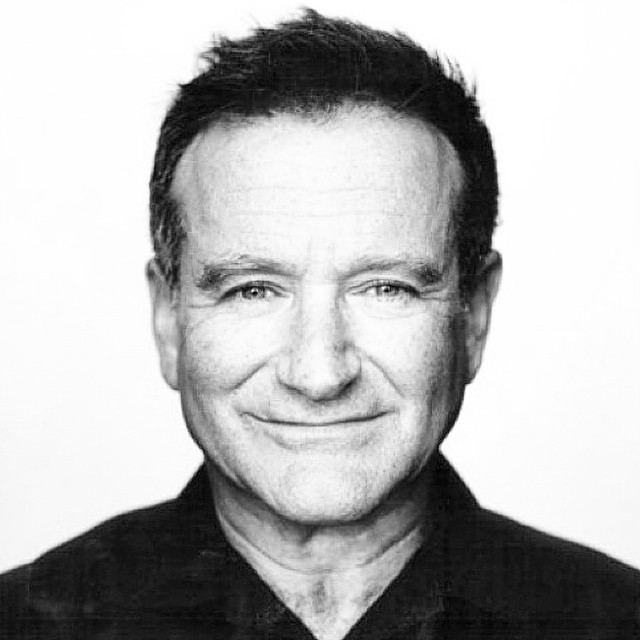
(364,173)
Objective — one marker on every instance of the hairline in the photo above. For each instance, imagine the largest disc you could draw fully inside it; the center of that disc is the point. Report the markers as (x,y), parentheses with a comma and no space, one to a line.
(448,156)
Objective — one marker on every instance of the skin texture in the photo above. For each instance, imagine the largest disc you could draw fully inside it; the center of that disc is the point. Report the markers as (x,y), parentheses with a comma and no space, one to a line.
(318,339)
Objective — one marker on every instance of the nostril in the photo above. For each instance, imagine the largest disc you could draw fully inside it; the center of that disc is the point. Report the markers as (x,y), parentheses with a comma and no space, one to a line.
(318,359)
(319,374)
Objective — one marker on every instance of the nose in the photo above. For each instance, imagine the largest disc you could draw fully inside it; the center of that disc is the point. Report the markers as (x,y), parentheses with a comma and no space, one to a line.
(319,360)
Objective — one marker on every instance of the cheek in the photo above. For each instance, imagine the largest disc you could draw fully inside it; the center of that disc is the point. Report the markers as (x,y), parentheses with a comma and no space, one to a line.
(217,354)
(416,354)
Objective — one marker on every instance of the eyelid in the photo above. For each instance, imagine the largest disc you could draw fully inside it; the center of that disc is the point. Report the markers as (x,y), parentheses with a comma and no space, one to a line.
(380,282)
(264,284)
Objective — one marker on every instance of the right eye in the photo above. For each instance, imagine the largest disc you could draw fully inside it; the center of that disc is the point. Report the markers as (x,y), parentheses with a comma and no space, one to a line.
(251,292)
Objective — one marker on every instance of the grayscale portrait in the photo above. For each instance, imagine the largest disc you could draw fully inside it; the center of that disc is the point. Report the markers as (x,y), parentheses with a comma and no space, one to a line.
(337,207)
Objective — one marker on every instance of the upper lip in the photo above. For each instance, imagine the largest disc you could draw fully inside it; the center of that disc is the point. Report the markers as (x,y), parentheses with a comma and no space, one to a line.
(306,422)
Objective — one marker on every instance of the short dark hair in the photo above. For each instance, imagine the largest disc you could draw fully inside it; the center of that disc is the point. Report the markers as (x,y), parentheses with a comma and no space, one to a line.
(315,64)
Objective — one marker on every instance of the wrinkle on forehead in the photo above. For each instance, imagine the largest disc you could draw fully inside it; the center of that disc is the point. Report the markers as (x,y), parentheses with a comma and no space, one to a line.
(198,173)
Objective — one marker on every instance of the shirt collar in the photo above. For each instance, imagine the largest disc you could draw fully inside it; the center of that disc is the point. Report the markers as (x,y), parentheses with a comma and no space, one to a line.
(195,568)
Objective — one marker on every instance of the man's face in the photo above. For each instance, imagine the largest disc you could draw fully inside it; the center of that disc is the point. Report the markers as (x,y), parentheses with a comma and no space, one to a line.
(318,339)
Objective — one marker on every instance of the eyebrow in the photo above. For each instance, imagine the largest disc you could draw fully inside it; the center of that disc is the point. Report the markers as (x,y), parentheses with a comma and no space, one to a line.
(214,274)
(424,270)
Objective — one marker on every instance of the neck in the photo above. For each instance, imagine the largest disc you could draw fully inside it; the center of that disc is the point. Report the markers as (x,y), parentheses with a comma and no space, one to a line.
(326,574)
(310,548)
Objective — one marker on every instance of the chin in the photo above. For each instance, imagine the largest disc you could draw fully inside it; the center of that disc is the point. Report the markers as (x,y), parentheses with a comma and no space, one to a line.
(323,513)
(328,497)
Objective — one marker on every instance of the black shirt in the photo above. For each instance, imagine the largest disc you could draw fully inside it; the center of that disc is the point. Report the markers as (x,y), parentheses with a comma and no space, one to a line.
(167,572)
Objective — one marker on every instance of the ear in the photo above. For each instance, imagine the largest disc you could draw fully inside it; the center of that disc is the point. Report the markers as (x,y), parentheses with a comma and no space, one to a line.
(478,310)
(166,328)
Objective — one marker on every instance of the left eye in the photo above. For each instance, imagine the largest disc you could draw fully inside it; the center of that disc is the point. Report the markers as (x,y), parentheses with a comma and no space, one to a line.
(390,291)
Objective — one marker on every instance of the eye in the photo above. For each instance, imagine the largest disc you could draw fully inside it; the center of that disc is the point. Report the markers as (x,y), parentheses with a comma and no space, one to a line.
(251,292)
(388,290)
(254,292)
(391,292)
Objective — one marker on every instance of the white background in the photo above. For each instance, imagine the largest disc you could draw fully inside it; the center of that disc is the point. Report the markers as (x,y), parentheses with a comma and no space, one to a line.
(550,432)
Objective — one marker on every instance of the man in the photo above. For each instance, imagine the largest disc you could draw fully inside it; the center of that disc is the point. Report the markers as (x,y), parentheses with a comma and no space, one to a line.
(322,205)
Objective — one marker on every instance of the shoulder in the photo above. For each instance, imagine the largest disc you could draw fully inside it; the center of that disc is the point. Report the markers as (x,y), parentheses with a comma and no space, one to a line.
(522,572)
(105,564)
(131,532)
(126,576)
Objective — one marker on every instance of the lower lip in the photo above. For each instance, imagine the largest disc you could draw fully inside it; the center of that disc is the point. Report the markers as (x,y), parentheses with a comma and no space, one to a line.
(302,435)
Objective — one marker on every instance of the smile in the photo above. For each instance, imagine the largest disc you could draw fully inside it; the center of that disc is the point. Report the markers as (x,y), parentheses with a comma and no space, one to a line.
(318,423)
(349,432)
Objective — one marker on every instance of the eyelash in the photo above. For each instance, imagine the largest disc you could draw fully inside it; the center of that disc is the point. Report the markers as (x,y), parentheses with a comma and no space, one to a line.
(236,292)
(402,287)
(265,287)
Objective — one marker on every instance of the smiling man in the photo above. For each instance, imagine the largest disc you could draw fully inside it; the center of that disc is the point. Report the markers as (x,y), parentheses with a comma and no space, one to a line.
(317,335)
(322,203)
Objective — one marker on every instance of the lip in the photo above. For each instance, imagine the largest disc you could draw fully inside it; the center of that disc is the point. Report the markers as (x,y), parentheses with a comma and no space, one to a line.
(317,423)
(330,435)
